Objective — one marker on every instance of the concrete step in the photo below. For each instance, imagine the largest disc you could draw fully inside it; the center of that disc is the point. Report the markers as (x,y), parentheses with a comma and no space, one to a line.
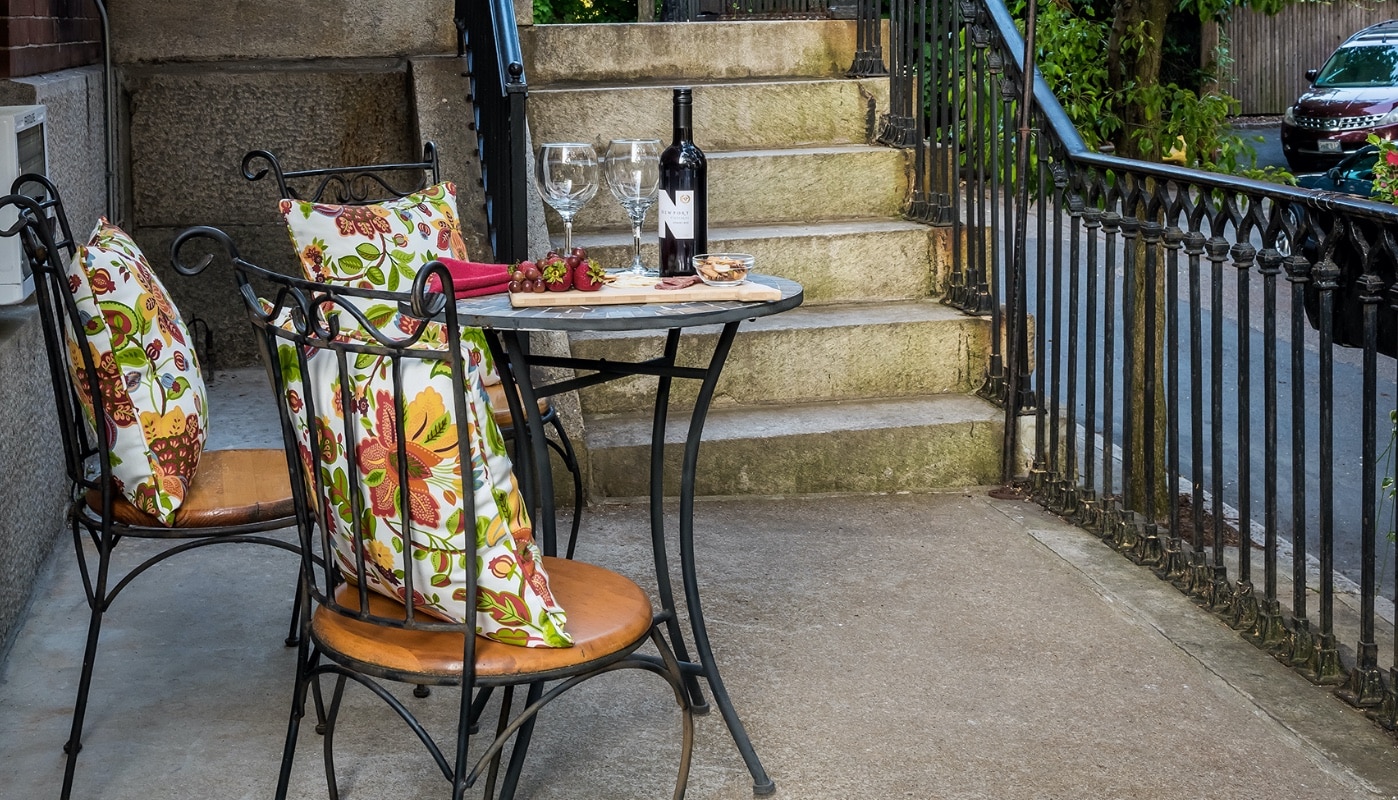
(756,187)
(836,262)
(816,354)
(905,444)
(680,51)
(739,115)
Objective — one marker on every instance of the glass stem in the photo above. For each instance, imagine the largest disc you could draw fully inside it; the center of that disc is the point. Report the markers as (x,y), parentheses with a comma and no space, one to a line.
(568,235)
(636,244)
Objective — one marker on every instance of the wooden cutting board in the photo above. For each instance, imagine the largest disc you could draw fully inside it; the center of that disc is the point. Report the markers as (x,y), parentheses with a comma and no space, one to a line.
(613,295)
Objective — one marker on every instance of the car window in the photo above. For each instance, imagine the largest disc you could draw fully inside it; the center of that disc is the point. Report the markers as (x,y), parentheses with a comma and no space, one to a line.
(1361,65)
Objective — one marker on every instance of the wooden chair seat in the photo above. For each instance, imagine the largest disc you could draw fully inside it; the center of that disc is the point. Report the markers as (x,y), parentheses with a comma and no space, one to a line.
(232,487)
(501,407)
(607,613)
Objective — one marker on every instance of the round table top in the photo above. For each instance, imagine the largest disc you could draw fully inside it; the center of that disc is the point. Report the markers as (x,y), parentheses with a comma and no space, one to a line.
(495,311)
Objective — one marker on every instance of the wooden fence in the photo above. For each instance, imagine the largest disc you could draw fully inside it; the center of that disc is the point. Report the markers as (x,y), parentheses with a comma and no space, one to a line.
(1271,54)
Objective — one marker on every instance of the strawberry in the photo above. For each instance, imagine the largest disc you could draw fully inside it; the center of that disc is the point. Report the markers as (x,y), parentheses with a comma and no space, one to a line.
(557,276)
(589,276)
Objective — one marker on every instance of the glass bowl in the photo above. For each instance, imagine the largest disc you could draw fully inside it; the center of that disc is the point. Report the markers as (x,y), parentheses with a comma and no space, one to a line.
(723,269)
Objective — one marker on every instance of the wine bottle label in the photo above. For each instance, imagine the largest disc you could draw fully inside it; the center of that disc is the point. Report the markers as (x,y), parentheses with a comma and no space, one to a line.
(677,216)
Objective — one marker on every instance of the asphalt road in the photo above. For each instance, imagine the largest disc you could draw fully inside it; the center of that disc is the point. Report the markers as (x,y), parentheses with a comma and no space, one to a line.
(1268,129)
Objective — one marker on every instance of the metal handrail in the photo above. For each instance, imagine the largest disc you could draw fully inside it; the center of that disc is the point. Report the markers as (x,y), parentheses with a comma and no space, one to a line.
(499,92)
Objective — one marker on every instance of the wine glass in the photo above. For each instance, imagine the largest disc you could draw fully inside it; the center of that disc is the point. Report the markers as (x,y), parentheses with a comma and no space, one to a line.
(633,173)
(565,174)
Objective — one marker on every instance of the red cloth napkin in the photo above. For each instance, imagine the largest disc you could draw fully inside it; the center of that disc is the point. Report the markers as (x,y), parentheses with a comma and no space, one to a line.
(473,279)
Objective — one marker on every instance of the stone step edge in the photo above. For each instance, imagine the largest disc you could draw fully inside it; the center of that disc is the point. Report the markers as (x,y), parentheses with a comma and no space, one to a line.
(723,422)
(844,314)
(602,85)
(772,230)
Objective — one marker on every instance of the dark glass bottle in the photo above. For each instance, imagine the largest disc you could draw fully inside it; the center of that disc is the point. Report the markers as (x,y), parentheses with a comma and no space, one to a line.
(684,205)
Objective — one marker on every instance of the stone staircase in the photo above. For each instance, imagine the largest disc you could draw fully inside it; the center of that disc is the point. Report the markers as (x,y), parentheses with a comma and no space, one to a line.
(868,387)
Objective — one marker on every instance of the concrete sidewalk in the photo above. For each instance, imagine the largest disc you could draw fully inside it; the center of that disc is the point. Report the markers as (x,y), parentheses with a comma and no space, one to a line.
(921,646)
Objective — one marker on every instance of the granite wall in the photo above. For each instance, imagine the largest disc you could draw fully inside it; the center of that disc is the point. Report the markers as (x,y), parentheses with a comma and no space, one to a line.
(319,83)
(35,493)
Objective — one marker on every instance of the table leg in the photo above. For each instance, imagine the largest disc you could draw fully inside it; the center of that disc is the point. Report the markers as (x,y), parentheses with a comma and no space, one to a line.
(762,784)
(698,704)
(535,473)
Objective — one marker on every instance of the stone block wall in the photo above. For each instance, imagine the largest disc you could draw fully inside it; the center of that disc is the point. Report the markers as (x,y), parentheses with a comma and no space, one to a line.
(35,493)
(320,83)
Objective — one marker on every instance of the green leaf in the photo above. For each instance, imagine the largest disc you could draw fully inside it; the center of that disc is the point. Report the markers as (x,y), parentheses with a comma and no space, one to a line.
(364,360)
(380,315)
(375,276)
(419,554)
(375,477)
(350,265)
(367,251)
(132,356)
(290,367)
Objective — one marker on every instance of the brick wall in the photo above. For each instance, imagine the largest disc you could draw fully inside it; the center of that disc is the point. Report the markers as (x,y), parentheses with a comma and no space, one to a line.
(38,36)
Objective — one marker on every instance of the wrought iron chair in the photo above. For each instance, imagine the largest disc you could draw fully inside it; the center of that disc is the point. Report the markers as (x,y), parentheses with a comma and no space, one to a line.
(354,399)
(359,185)
(231,498)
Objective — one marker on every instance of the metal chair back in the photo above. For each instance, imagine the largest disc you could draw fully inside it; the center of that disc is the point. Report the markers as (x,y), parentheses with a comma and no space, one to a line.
(346,185)
(49,246)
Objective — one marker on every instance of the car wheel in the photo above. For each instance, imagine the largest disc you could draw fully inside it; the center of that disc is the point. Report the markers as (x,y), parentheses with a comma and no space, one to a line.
(1291,218)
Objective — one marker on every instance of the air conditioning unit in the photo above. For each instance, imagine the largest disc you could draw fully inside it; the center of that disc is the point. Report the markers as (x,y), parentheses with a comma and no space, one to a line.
(23,148)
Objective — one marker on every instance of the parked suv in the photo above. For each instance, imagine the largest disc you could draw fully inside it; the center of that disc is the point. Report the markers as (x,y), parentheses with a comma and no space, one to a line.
(1353,95)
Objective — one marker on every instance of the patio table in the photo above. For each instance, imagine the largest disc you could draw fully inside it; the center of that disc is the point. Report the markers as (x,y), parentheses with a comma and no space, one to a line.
(507,330)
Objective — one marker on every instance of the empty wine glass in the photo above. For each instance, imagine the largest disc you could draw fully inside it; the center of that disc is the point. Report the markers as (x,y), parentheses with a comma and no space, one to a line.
(565,174)
(633,173)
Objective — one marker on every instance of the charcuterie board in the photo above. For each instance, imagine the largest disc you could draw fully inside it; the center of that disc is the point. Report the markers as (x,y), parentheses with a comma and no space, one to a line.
(617,295)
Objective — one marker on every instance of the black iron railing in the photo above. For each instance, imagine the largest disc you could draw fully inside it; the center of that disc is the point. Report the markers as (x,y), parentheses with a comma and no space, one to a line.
(1178,340)
(693,10)
(489,39)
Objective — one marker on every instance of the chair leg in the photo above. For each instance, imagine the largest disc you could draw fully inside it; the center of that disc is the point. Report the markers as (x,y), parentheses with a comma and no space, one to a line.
(331,713)
(293,634)
(477,708)
(521,746)
(74,743)
(96,592)
(506,701)
(570,460)
(293,732)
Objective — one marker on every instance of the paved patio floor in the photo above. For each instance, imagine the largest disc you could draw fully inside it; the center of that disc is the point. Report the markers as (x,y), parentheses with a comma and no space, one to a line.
(917,646)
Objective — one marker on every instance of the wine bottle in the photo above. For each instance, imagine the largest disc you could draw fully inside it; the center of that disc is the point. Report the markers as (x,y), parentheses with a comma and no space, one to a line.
(684,206)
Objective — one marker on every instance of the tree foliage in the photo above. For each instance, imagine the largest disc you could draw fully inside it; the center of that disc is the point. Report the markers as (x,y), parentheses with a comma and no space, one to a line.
(1081,53)
(548,12)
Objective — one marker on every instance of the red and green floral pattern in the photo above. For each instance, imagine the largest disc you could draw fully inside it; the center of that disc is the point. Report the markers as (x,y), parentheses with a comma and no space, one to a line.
(514,603)
(153,395)
(378,246)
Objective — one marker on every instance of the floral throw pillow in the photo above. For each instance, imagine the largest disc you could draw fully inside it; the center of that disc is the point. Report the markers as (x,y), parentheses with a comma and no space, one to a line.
(515,605)
(153,397)
(378,246)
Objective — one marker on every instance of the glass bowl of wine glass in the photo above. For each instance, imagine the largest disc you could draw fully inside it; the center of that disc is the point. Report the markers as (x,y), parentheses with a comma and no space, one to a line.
(723,269)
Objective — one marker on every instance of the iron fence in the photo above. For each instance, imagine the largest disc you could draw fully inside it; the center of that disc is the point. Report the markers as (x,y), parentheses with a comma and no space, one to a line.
(1204,360)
